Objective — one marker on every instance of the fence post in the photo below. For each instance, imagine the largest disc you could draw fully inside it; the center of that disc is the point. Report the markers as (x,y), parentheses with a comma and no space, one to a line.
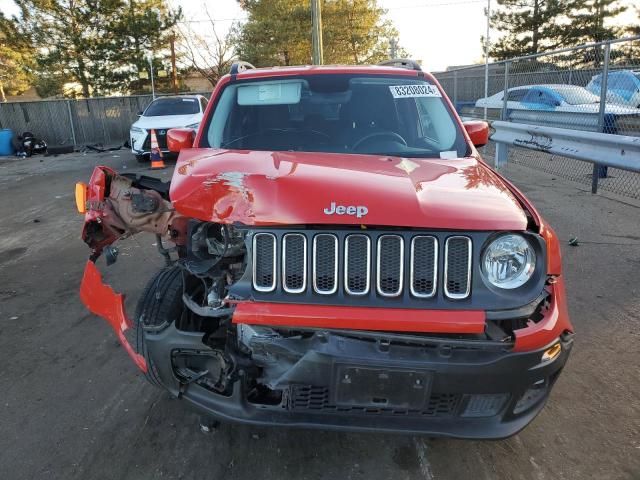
(503,114)
(455,90)
(502,149)
(600,171)
(73,130)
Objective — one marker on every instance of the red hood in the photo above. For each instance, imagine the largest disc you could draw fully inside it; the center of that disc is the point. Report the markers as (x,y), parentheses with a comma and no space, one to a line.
(270,188)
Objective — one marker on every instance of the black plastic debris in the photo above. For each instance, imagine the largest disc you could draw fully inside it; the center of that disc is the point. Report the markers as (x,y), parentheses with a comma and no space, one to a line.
(29,145)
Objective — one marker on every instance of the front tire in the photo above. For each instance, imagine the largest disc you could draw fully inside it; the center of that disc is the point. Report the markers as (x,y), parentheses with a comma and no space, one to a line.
(159,306)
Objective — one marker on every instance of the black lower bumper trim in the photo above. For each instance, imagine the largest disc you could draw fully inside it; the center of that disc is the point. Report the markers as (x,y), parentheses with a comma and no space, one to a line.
(464,385)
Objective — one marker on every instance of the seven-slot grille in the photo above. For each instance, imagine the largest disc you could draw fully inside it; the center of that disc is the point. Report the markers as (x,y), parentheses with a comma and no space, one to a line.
(388,264)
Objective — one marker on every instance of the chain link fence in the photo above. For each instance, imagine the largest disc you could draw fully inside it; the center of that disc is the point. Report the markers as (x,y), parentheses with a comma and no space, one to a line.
(620,182)
(91,121)
(591,88)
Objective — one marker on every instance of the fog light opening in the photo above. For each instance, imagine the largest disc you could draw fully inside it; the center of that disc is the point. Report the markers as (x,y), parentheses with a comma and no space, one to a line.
(532,396)
(552,353)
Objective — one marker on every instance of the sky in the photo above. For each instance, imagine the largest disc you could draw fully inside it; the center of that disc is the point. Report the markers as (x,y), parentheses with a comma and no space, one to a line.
(441,33)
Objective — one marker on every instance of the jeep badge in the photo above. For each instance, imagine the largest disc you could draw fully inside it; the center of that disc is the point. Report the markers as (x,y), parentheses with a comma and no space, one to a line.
(359,211)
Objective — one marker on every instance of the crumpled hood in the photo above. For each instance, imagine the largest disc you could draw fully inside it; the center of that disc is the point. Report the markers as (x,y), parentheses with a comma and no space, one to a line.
(271,188)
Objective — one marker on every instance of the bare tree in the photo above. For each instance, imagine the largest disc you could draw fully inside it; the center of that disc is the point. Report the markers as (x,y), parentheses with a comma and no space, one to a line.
(204,50)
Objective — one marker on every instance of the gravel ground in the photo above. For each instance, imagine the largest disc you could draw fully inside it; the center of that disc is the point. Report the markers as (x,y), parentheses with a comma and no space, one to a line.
(74,406)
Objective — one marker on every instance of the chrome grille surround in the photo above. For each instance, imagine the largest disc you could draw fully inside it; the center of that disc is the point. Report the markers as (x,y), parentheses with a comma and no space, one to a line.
(259,265)
(317,283)
(385,267)
(295,276)
(363,266)
(457,274)
(433,264)
(350,282)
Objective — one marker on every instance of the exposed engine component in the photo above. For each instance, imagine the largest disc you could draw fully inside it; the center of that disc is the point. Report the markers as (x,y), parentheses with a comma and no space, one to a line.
(216,240)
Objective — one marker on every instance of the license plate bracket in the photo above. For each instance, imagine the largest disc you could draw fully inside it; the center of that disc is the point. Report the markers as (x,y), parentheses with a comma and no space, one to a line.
(382,387)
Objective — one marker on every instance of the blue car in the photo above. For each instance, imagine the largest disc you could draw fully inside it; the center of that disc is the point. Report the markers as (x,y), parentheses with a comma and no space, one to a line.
(623,87)
(562,106)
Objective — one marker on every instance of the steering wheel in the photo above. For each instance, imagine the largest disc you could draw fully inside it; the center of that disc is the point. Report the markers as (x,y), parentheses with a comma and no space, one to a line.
(387,133)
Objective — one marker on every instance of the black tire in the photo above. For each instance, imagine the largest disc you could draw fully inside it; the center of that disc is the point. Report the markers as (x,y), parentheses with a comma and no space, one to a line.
(159,306)
(142,158)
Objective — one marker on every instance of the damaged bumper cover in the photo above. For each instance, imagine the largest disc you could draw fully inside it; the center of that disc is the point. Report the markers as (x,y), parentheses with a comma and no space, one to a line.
(359,380)
(329,378)
(342,381)
(101,300)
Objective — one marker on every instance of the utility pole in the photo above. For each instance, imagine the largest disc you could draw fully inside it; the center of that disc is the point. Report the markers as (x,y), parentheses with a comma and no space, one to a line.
(393,48)
(486,59)
(316,32)
(153,85)
(174,73)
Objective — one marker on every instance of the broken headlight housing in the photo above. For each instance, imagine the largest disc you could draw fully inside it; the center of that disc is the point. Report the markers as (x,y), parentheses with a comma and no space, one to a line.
(508,262)
(215,240)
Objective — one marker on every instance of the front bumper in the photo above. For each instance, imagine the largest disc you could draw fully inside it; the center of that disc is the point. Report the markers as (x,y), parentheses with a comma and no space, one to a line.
(141,141)
(438,387)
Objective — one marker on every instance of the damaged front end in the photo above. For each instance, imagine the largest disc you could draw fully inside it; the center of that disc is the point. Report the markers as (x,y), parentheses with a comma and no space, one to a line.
(266,324)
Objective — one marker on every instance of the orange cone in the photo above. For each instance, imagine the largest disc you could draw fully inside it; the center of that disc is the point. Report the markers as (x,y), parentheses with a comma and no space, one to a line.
(156,154)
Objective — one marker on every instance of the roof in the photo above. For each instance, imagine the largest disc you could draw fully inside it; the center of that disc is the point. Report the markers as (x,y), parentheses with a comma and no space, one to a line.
(546,85)
(326,69)
(192,95)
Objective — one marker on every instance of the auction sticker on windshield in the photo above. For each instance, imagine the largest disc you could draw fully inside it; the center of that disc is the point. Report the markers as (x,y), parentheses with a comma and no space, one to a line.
(410,91)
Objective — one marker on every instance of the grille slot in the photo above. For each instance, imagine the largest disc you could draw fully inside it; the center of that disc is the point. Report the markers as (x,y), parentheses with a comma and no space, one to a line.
(264,262)
(357,261)
(325,264)
(390,265)
(457,269)
(424,266)
(294,263)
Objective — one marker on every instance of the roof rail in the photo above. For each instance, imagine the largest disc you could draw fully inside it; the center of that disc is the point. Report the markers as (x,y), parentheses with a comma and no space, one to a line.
(239,67)
(402,63)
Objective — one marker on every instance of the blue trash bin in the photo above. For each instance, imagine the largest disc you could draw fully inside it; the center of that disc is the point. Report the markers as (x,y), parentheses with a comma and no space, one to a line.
(6,142)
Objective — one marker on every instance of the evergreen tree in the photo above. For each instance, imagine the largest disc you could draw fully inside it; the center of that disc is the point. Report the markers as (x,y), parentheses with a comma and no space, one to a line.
(74,38)
(589,21)
(144,28)
(635,28)
(16,60)
(529,26)
(99,44)
(278,32)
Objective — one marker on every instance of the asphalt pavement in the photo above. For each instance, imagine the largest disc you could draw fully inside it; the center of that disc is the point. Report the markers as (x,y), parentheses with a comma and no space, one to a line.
(72,404)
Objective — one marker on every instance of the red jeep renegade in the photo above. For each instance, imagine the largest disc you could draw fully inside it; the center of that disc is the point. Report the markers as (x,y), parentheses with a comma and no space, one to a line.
(341,258)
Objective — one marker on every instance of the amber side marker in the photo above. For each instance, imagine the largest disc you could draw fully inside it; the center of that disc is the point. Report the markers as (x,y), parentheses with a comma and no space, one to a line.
(551,353)
(81,197)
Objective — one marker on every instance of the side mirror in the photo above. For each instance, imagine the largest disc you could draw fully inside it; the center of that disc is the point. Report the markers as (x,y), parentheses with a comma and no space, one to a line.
(180,139)
(478,132)
(140,113)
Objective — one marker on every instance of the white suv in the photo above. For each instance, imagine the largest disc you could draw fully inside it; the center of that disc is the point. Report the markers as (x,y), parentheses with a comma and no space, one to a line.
(161,115)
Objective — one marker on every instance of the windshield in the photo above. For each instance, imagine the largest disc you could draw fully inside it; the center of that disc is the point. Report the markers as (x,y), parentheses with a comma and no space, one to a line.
(172,106)
(577,95)
(395,116)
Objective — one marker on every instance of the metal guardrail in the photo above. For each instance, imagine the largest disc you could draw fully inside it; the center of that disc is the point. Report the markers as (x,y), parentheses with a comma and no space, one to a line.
(600,91)
(602,149)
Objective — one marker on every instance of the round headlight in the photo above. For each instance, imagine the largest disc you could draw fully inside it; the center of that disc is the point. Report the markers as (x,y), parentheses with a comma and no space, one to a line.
(509,261)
